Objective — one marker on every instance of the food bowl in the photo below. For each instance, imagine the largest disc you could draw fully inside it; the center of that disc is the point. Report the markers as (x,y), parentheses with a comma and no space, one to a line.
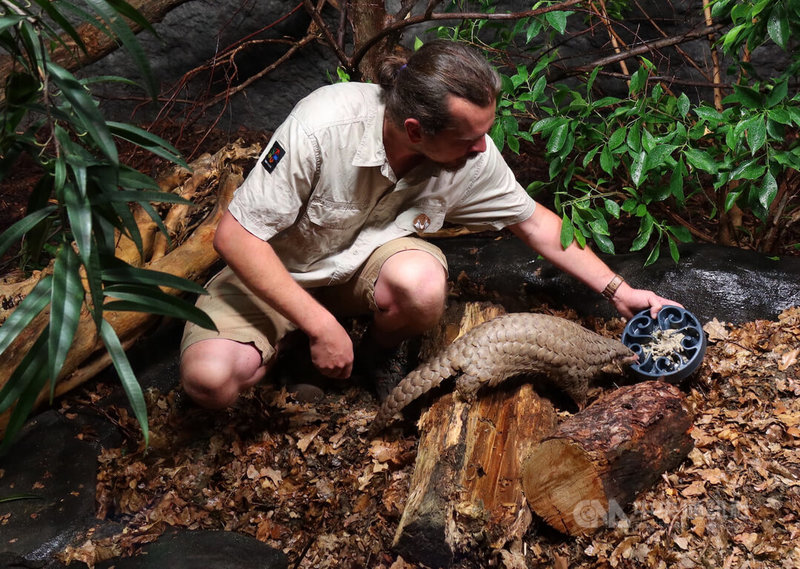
(670,347)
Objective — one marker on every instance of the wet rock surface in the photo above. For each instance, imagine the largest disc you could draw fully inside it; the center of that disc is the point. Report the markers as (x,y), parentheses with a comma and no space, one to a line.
(54,463)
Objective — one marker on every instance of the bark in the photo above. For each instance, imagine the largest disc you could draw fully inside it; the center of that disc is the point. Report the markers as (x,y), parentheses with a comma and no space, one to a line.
(212,187)
(466,485)
(368,18)
(98,44)
(582,476)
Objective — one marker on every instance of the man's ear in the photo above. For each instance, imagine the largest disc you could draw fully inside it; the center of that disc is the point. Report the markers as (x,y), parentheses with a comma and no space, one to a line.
(413,130)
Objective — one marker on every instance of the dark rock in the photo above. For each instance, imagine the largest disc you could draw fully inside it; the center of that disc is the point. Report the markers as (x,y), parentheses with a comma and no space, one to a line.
(49,463)
(732,285)
(207,549)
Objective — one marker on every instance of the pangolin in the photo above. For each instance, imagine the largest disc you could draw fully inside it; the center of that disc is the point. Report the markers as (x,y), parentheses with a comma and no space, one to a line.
(507,346)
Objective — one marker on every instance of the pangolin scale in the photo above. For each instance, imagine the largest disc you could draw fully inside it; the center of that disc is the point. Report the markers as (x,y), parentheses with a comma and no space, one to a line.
(507,346)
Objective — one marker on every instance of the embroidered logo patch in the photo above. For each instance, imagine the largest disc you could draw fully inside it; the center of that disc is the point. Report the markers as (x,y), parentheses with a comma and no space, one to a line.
(272,157)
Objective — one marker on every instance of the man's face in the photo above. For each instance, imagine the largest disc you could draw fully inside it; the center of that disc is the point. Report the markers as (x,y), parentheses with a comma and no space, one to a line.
(453,146)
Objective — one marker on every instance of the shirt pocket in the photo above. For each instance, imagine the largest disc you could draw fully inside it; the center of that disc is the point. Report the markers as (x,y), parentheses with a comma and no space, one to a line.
(329,214)
(421,218)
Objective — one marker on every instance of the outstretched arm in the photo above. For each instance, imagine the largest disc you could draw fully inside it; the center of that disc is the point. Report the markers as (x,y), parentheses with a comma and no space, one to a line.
(542,232)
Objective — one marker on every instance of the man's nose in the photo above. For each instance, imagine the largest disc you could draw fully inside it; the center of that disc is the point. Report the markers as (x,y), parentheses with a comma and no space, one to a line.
(479,145)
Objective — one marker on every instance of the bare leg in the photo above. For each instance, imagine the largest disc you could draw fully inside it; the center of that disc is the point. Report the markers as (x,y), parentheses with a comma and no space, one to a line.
(410,294)
(215,372)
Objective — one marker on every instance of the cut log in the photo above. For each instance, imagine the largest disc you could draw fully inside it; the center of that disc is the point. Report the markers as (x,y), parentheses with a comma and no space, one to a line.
(582,476)
(466,487)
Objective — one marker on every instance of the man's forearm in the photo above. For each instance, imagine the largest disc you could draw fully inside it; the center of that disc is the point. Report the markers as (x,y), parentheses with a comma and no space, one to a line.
(255,262)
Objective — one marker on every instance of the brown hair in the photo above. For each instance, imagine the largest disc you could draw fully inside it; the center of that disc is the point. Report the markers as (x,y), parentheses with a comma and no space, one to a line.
(418,87)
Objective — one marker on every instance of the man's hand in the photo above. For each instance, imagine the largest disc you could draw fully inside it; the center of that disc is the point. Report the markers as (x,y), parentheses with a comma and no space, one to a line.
(332,351)
(629,301)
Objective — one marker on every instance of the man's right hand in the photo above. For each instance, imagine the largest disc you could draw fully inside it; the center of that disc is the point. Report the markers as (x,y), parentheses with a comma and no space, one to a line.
(332,351)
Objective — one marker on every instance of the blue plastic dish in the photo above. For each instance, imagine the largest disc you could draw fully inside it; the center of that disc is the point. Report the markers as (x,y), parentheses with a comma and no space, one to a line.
(670,347)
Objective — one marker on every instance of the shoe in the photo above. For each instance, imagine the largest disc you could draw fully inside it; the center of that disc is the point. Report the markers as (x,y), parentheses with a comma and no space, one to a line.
(381,368)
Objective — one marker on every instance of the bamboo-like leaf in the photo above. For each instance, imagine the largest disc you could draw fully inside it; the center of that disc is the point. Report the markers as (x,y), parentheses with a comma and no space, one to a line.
(123,32)
(14,233)
(86,109)
(79,212)
(33,364)
(51,10)
(124,273)
(25,312)
(128,379)
(148,141)
(137,298)
(65,309)
(35,372)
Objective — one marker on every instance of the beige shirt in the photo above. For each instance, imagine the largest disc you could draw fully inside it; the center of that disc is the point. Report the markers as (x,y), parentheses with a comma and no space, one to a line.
(325,197)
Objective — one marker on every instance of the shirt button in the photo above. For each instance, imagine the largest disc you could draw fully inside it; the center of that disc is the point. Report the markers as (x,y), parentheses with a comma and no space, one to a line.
(421,222)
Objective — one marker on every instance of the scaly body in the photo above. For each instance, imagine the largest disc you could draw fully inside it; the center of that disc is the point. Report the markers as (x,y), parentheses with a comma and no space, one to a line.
(507,346)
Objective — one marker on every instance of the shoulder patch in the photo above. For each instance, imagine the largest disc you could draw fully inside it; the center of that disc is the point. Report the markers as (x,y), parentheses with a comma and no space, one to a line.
(272,157)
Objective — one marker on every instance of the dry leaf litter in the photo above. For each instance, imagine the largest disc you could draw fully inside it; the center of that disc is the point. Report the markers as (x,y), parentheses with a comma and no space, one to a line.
(305,479)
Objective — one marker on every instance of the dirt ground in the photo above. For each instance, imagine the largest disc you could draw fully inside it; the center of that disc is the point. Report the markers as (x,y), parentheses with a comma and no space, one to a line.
(304,478)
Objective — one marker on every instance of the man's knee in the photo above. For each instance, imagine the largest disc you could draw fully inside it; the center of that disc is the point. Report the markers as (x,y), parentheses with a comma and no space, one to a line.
(414,282)
(214,378)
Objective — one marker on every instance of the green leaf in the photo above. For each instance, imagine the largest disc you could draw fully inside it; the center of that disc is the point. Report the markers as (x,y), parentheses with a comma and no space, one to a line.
(111,16)
(85,107)
(607,161)
(605,244)
(25,312)
(9,21)
(24,386)
(123,273)
(683,105)
(126,376)
(14,233)
(655,253)
(612,207)
(617,138)
(65,309)
(700,160)
(749,170)
(139,298)
(558,20)
(638,170)
(645,231)
(673,251)
(147,140)
(746,96)
(681,233)
(567,232)
(778,28)
(557,138)
(731,198)
(756,133)
(538,88)
(768,190)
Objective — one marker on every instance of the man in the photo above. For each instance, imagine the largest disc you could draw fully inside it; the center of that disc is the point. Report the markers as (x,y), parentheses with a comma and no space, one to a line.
(321,226)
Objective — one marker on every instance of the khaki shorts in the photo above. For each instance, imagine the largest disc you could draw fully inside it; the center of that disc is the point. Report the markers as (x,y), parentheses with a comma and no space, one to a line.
(243,317)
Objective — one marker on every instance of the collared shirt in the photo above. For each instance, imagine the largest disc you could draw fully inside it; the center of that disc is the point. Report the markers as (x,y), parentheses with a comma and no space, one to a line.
(325,197)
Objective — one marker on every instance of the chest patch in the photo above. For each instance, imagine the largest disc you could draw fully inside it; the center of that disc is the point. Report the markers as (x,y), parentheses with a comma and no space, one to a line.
(272,157)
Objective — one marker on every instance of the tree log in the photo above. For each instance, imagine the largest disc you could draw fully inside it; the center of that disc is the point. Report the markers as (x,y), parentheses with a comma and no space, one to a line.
(597,461)
(98,44)
(466,485)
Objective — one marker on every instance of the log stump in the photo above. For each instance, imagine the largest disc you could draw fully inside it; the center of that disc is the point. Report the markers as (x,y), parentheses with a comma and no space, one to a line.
(581,477)
(466,486)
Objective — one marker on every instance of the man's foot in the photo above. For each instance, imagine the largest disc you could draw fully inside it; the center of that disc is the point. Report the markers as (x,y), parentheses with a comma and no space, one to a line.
(382,368)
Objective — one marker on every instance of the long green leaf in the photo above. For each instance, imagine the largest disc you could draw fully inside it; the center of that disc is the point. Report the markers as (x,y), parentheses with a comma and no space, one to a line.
(79,212)
(65,309)
(51,10)
(148,141)
(86,109)
(128,379)
(154,301)
(26,311)
(14,233)
(33,364)
(120,28)
(35,371)
(124,273)
(8,21)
